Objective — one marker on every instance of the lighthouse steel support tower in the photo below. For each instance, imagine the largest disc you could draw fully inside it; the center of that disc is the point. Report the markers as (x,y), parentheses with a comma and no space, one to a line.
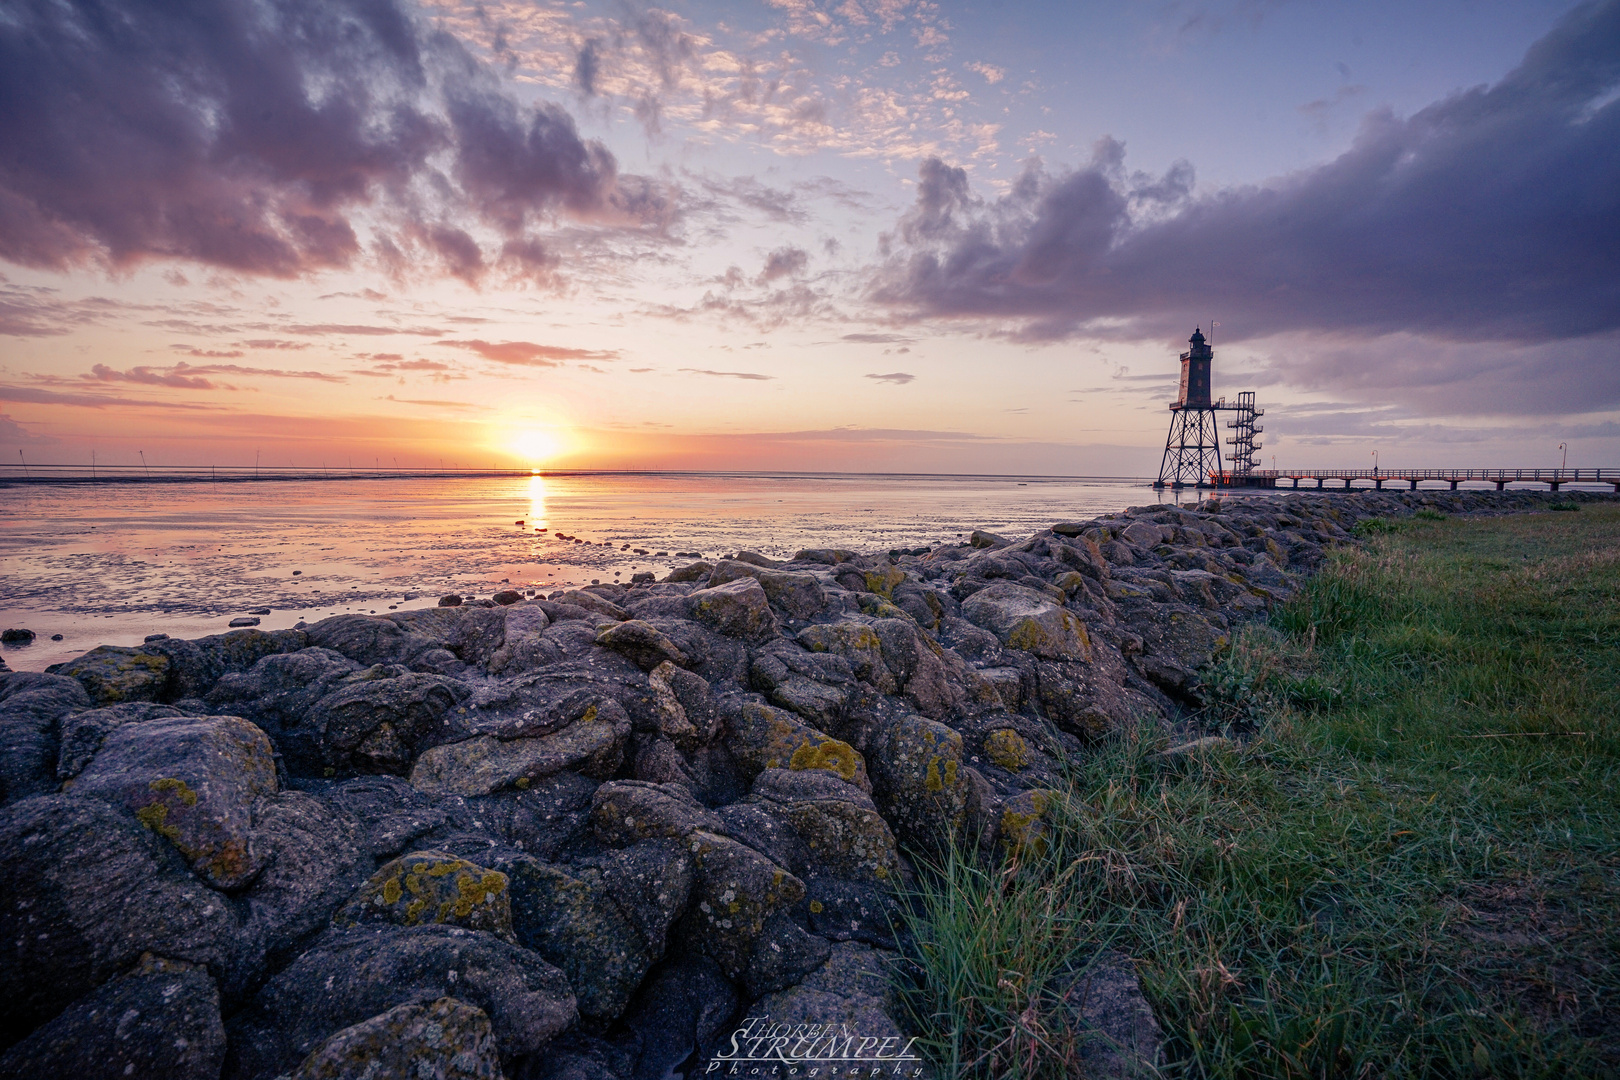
(1192,449)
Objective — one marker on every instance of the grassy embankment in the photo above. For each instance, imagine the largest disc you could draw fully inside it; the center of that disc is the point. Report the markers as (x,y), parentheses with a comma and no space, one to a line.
(1409,866)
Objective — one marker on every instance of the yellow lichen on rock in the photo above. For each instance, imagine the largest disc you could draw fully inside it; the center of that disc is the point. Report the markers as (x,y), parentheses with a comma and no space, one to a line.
(1006,748)
(839,757)
(432,886)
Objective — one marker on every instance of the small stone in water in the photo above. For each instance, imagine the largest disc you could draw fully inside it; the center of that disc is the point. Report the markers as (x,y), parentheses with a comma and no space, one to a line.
(56,637)
(157,637)
(297,572)
(244,621)
(450,600)
(259,611)
(17,637)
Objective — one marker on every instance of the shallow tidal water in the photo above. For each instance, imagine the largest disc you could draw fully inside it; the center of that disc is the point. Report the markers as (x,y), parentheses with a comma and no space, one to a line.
(110,564)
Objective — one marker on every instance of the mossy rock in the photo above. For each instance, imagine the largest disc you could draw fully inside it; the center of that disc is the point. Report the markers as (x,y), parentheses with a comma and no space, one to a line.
(114,673)
(593,745)
(921,788)
(1025,822)
(1006,748)
(856,642)
(883,581)
(762,737)
(445,1039)
(432,887)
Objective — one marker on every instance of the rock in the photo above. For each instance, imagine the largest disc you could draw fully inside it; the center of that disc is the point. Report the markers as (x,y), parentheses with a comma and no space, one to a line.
(1120,1037)
(691,572)
(849,993)
(1176,642)
(825,556)
(1143,534)
(354,975)
(16,637)
(799,595)
(919,786)
(761,737)
(114,673)
(568,915)
(31,707)
(244,620)
(450,600)
(161,1020)
(754,558)
(683,1006)
(192,780)
(594,602)
(856,642)
(83,733)
(739,916)
(445,1039)
(507,596)
(982,539)
(378,719)
(432,887)
(1183,756)
(838,823)
(315,862)
(88,890)
(1023,824)
(627,811)
(1026,620)
(736,609)
(1069,528)
(594,744)
(195,667)
(935,686)
(642,643)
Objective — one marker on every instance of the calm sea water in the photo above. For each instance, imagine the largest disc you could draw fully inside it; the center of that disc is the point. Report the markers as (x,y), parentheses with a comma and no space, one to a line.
(107,565)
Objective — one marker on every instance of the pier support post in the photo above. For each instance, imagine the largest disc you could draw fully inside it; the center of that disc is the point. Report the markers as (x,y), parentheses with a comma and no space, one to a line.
(1500,484)
(1379,484)
(1554,484)
(1347,483)
(1413,483)
(1320,482)
(1454,484)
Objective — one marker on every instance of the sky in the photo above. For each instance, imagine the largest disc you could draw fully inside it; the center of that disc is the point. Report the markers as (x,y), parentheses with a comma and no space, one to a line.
(818,235)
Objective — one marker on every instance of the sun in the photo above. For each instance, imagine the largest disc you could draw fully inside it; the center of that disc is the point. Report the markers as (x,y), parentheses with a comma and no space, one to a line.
(535,445)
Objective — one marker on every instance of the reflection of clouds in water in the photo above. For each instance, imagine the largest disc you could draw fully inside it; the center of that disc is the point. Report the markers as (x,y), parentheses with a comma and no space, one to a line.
(537,503)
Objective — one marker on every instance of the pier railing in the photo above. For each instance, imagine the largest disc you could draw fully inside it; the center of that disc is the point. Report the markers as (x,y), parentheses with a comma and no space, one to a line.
(1554,478)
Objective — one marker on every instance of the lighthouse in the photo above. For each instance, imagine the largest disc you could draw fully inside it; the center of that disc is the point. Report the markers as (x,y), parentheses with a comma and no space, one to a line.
(1192,449)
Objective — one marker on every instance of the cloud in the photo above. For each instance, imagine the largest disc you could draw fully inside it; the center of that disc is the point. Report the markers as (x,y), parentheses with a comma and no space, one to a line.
(91,401)
(784,262)
(15,434)
(878,339)
(899,378)
(271,138)
(191,376)
(991,73)
(359,329)
(1493,214)
(729,374)
(457,406)
(528,354)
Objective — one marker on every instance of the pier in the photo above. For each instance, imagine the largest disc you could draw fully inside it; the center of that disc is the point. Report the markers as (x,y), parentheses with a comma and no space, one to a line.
(1332,479)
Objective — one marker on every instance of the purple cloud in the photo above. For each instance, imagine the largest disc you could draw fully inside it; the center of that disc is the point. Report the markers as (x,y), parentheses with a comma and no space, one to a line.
(1493,214)
(265,138)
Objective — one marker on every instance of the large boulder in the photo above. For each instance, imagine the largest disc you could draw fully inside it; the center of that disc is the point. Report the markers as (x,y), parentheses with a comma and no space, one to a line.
(88,890)
(192,780)
(1177,641)
(741,915)
(856,642)
(850,994)
(316,859)
(31,707)
(445,1039)
(83,733)
(160,1020)
(761,737)
(605,921)
(642,642)
(798,595)
(738,608)
(920,783)
(593,744)
(114,673)
(379,719)
(1024,619)
(625,812)
(277,692)
(432,887)
(195,667)
(351,976)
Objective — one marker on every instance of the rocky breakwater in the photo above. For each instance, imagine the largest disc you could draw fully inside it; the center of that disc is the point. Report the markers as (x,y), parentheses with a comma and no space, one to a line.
(583,836)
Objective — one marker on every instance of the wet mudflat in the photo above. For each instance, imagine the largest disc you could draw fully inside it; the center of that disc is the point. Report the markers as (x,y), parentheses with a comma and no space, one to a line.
(109,565)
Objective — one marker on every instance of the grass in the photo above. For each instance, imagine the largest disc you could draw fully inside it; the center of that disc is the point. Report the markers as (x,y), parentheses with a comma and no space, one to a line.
(1407,864)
